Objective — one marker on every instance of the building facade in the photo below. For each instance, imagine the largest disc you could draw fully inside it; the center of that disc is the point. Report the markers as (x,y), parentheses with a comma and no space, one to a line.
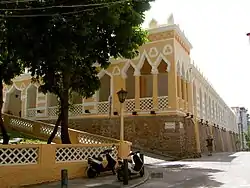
(242,121)
(170,108)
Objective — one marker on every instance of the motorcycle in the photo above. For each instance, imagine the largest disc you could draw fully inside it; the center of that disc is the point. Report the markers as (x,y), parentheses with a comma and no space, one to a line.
(135,166)
(96,165)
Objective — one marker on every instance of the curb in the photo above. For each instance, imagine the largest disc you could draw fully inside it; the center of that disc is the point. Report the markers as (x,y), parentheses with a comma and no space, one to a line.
(142,181)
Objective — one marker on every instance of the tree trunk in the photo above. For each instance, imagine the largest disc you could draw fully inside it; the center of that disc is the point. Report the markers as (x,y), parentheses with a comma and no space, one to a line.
(6,137)
(64,99)
(53,134)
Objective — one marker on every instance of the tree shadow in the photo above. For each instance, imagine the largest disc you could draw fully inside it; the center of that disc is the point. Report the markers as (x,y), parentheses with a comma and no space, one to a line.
(184,176)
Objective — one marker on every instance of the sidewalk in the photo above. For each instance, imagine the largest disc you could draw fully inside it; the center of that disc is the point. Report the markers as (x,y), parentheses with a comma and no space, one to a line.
(104,181)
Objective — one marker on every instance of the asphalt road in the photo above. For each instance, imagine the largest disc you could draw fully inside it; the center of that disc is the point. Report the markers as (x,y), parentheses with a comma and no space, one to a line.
(223,170)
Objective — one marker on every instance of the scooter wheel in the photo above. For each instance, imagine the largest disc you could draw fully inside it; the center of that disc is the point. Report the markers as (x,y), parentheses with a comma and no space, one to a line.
(120,175)
(91,173)
(142,173)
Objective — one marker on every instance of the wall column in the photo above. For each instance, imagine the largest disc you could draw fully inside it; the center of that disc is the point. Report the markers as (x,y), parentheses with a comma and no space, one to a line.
(137,90)
(172,89)
(184,94)
(118,83)
(24,105)
(190,97)
(180,92)
(155,88)
(197,132)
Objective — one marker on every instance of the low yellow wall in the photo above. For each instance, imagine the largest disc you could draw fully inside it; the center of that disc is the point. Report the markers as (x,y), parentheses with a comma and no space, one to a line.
(45,162)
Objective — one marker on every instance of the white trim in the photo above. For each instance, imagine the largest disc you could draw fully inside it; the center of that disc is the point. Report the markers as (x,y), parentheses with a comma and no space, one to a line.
(174,27)
(183,71)
(141,62)
(178,68)
(153,52)
(116,69)
(160,58)
(13,88)
(100,75)
(126,67)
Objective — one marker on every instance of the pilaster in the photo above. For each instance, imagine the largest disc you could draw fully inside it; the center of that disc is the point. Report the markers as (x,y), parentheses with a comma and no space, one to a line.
(190,97)
(184,93)
(155,88)
(180,92)
(172,89)
(137,90)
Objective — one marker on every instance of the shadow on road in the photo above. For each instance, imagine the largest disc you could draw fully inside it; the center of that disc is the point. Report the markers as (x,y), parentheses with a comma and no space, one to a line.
(182,176)
(216,157)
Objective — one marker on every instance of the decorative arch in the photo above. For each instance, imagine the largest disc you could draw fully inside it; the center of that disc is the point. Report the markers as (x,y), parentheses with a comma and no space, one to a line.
(187,76)
(102,73)
(31,93)
(12,88)
(183,78)
(141,62)
(209,107)
(206,106)
(13,102)
(178,68)
(162,58)
(144,68)
(162,71)
(125,68)
(201,102)
(194,93)
(106,88)
(183,71)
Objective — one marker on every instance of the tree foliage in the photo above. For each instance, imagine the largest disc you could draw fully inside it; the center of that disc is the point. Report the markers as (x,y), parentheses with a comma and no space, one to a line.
(61,49)
(10,66)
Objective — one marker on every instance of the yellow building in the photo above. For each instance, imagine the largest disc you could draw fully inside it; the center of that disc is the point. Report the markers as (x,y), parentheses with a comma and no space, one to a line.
(171,108)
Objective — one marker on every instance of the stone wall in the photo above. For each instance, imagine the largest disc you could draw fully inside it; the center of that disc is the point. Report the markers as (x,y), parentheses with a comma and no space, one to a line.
(224,141)
(151,133)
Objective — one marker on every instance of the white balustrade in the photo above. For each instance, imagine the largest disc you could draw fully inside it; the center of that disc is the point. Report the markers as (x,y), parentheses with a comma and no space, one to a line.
(163,102)
(22,124)
(87,138)
(130,105)
(52,111)
(146,104)
(31,112)
(47,130)
(76,110)
(80,153)
(18,156)
(103,107)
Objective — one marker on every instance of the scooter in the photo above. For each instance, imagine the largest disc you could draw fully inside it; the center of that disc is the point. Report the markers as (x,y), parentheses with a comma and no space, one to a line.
(96,165)
(135,166)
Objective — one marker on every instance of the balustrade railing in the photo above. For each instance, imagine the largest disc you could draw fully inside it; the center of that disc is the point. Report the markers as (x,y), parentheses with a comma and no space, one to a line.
(163,103)
(43,130)
(146,104)
(31,112)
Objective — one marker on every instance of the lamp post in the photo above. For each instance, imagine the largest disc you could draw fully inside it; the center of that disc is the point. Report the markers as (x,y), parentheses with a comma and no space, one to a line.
(122,95)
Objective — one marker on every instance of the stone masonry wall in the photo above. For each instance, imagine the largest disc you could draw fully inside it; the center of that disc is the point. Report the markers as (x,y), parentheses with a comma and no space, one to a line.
(224,141)
(151,133)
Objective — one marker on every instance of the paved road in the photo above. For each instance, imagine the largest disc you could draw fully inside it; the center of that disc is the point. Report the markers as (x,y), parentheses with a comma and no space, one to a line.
(224,170)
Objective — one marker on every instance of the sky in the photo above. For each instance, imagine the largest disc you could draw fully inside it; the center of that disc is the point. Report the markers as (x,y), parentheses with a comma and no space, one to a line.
(217,30)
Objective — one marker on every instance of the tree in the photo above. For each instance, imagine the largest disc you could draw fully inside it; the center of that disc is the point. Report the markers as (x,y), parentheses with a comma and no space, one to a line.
(61,49)
(10,67)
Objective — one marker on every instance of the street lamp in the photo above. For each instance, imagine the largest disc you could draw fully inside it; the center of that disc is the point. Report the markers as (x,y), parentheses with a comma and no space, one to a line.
(122,95)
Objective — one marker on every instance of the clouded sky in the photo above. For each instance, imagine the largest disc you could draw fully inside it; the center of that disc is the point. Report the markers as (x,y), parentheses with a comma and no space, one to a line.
(217,30)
